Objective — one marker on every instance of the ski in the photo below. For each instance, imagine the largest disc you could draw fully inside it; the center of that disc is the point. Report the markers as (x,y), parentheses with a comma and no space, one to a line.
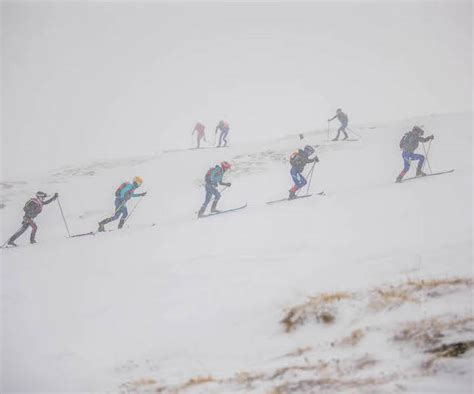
(296,198)
(427,175)
(220,212)
(83,234)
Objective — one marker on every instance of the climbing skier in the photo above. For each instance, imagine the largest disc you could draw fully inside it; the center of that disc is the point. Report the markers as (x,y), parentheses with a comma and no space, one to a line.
(199,130)
(224,129)
(212,179)
(342,117)
(409,143)
(124,193)
(298,160)
(32,208)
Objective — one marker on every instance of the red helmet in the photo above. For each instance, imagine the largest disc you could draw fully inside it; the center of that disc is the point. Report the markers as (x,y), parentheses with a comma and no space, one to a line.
(225,165)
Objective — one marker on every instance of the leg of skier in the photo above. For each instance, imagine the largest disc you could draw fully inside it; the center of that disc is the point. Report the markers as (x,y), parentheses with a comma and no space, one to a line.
(210,191)
(421,160)
(337,136)
(224,136)
(34,228)
(14,237)
(406,166)
(343,129)
(119,205)
(124,213)
(299,181)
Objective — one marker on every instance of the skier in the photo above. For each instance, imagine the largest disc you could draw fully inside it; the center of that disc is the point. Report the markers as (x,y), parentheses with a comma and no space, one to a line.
(224,129)
(213,178)
(298,160)
(32,208)
(342,117)
(409,143)
(199,130)
(125,191)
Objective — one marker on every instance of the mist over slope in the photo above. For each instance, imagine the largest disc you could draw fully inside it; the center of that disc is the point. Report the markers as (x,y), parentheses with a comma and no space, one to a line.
(367,288)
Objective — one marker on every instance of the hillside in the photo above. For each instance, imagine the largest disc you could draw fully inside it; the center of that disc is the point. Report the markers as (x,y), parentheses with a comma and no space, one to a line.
(368,288)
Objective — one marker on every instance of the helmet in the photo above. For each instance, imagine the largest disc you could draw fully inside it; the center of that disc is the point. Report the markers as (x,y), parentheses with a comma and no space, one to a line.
(225,165)
(309,150)
(41,195)
(137,180)
(338,110)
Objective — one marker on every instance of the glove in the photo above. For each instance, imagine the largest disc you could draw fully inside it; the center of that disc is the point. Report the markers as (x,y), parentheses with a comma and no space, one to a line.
(316,159)
(143,194)
(431,137)
(56,195)
(228,184)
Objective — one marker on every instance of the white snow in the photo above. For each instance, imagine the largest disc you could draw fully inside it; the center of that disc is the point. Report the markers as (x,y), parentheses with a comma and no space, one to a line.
(150,307)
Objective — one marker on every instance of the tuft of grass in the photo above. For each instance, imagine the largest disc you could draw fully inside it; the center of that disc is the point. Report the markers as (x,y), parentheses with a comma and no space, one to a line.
(319,308)
(353,339)
(198,380)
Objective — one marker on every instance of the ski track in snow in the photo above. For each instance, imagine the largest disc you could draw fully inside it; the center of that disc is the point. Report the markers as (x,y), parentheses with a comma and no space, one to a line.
(360,290)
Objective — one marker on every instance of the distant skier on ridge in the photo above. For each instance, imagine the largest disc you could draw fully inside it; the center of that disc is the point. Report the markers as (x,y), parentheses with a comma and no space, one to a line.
(409,143)
(298,161)
(199,130)
(342,117)
(124,193)
(212,179)
(224,129)
(32,208)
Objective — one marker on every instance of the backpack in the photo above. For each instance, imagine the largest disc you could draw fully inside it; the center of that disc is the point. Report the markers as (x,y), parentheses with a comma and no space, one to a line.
(207,178)
(120,188)
(295,159)
(32,207)
(404,140)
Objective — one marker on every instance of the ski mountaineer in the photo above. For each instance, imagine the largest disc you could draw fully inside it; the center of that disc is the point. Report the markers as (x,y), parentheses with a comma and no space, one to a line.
(409,143)
(124,193)
(342,117)
(224,129)
(212,179)
(199,130)
(298,160)
(32,208)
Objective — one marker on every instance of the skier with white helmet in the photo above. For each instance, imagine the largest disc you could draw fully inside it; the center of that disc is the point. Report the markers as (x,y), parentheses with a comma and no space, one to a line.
(32,208)
(298,161)
(124,193)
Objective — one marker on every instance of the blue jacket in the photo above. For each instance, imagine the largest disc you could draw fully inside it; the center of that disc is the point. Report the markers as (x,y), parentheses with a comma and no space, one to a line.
(128,192)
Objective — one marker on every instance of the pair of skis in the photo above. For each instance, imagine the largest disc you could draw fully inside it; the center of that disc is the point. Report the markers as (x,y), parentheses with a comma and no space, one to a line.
(105,231)
(269,202)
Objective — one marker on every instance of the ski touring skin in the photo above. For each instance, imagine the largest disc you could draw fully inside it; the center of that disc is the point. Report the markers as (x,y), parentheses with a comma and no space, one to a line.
(296,198)
(427,175)
(221,212)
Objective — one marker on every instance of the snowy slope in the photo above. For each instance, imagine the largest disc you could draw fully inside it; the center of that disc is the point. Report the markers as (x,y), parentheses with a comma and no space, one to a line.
(197,305)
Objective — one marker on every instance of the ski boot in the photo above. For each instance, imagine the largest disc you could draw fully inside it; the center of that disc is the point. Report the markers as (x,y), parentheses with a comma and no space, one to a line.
(201,212)
(420,173)
(101,228)
(121,223)
(213,207)
(12,243)
(292,195)
(399,179)
(335,139)
(32,241)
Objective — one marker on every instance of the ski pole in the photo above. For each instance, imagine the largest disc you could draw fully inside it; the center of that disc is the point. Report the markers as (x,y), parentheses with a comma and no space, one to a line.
(426,155)
(62,214)
(133,210)
(328,130)
(352,131)
(310,174)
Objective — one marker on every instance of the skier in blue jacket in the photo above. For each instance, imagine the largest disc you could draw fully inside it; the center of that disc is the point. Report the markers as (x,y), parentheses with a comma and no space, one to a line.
(213,178)
(124,193)
(298,161)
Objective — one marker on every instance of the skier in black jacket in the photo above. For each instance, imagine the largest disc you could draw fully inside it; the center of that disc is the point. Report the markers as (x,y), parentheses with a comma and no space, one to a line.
(409,144)
(32,208)
(342,117)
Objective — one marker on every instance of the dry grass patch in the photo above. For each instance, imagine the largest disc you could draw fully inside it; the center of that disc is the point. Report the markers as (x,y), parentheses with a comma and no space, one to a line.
(413,291)
(430,332)
(320,308)
(353,339)
(198,380)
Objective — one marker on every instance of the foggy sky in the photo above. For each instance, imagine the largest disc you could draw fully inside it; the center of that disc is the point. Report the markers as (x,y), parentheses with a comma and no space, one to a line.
(90,80)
